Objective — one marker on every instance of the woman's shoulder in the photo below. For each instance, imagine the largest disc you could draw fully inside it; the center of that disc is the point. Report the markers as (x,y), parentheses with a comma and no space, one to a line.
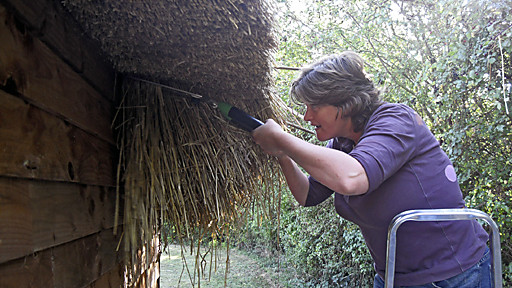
(393,107)
(396,119)
(395,112)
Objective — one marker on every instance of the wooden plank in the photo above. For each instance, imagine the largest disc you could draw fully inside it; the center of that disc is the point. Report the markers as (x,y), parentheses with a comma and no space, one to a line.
(79,264)
(57,29)
(36,144)
(74,264)
(112,279)
(30,68)
(65,36)
(36,215)
(32,271)
(29,12)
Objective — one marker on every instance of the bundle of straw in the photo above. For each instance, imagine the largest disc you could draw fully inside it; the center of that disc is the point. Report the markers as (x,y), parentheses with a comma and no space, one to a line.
(182,164)
(215,43)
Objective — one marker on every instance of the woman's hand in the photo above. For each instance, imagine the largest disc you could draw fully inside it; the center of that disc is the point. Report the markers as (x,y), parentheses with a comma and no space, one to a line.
(268,137)
(272,139)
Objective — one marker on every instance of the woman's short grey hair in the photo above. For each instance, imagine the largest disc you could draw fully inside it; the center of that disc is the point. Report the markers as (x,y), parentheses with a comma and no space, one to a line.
(339,80)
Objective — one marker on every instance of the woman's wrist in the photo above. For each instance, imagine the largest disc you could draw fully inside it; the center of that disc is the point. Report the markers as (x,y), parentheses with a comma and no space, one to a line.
(283,158)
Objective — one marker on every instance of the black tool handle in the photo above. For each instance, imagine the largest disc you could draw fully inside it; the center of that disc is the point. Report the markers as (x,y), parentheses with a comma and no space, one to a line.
(244,120)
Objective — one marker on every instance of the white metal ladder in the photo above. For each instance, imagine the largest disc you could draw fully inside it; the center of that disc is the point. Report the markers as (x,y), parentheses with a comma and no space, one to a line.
(441,215)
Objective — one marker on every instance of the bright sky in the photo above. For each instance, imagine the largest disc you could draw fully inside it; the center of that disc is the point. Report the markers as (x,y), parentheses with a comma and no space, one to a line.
(298,6)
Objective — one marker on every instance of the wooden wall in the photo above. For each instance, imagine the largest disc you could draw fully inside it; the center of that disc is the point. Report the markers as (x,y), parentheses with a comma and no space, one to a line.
(57,155)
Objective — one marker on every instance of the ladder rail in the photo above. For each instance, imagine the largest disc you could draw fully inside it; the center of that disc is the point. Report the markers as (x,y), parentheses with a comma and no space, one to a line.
(442,215)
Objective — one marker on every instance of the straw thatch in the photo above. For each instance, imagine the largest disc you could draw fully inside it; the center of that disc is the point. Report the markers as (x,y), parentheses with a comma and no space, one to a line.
(220,48)
(181,163)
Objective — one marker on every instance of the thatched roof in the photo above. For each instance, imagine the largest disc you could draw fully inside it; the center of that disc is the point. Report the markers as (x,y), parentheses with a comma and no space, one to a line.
(180,159)
(217,47)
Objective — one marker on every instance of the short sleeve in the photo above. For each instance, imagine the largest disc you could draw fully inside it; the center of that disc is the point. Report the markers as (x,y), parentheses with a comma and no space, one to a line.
(317,193)
(388,143)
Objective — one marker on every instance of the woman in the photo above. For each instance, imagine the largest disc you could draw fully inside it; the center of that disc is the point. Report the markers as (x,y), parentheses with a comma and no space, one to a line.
(381,159)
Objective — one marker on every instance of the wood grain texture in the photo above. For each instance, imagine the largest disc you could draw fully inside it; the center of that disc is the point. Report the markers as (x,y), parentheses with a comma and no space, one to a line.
(30,68)
(57,29)
(112,279)
(57,156)
(74,264)
(37,215)
(36,144)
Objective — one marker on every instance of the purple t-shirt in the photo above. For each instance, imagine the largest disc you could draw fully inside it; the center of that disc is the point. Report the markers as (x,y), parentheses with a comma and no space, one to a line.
(406,169)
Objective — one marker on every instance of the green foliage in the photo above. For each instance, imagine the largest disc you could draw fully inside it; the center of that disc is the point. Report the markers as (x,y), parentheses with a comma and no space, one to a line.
(328,250)
(451,61)
(324,249)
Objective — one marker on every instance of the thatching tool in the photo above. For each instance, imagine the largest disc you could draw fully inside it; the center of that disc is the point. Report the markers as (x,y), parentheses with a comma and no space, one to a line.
(231,113)
(239,117)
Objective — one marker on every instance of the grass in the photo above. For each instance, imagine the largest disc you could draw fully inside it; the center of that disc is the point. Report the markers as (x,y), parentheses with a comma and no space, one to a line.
(245,270)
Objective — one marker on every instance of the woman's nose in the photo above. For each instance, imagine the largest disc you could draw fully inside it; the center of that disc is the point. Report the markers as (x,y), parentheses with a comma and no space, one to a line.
(308,116)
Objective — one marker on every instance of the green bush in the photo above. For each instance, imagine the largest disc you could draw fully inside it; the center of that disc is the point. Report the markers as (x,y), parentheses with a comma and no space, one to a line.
(322,248)
(327,249)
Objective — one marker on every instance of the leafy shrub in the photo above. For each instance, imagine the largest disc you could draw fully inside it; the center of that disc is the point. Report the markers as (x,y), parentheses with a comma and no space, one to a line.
(324,249)
(329,250)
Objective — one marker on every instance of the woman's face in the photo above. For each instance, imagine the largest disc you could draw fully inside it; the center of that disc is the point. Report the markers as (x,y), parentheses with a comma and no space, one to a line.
(329,122)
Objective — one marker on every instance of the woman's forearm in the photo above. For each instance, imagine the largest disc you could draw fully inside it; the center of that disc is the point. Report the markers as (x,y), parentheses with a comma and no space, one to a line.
(297,181)
(335,169)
